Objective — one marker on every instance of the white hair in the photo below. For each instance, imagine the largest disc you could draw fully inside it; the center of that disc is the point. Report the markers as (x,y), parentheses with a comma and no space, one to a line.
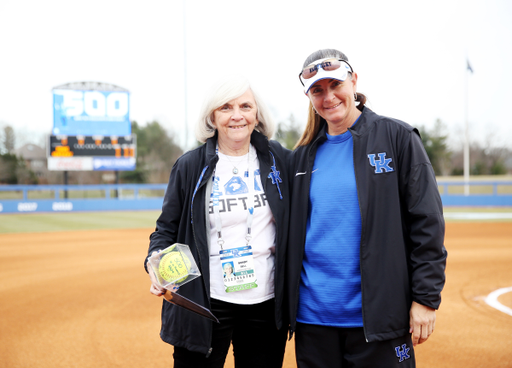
(224,91)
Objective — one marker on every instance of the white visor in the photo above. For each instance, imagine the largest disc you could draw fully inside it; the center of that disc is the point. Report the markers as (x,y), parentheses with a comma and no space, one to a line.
(340,74)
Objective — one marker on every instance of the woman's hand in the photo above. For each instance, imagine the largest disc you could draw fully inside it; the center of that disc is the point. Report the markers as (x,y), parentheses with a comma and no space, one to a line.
(155,287)
(422,321)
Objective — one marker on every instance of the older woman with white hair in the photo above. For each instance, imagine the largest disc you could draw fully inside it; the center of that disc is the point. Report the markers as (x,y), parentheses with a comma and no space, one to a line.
(226,198)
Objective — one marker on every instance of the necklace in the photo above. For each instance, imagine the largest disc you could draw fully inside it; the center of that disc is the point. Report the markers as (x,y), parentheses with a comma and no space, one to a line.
(235,169)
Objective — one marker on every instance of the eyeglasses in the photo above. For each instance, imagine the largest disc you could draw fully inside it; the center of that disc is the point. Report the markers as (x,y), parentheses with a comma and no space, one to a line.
(327,65)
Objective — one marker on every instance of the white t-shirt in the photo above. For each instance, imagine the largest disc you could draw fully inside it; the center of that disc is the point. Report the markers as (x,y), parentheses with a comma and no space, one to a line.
(233,193)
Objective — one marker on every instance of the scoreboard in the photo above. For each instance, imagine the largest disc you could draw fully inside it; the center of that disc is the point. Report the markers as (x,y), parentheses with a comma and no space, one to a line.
(91,112)
(91,128)
(83,153)
(73,146)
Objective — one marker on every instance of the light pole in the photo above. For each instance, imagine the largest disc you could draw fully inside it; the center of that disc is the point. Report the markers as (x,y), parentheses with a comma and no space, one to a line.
(186,143)
(466,135)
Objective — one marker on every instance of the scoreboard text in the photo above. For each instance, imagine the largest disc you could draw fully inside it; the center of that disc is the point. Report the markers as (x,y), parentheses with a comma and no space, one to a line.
(92,146)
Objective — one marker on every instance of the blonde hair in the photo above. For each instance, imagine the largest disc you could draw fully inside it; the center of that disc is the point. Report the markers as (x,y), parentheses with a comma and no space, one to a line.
(224,91)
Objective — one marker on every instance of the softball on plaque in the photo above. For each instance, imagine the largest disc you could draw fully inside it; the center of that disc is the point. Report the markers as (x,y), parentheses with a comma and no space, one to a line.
(174,265)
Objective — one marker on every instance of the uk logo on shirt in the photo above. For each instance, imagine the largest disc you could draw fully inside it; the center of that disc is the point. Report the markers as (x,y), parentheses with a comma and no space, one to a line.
(236,185)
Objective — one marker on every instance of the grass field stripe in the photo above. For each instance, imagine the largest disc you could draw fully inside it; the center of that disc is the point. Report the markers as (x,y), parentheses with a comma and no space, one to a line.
(492,300)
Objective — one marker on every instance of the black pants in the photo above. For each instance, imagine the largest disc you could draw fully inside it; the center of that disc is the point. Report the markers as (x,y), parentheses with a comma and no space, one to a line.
(251,328)
(332,347)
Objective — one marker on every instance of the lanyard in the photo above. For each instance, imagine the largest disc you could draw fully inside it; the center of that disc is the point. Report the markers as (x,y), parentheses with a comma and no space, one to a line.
(250,205)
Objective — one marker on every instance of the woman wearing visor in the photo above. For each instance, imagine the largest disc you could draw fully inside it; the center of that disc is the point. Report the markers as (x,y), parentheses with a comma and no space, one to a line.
(228,200)
(366,258)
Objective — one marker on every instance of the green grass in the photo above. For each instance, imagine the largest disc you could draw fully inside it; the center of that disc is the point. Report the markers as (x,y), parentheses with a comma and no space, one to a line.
(46,222)
(11,194)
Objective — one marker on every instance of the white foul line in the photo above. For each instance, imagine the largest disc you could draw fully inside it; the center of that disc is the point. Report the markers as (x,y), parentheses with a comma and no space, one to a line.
(478,215)
(492,300)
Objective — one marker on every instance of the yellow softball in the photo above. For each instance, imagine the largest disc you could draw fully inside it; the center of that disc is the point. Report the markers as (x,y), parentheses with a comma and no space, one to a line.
(172,266)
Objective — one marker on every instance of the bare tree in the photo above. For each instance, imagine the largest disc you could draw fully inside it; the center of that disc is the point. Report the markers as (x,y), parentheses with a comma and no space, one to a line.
(8,139)
(485,159)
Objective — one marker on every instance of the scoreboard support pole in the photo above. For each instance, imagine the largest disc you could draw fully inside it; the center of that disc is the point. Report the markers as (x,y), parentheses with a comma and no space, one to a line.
(116,194)
(65,183)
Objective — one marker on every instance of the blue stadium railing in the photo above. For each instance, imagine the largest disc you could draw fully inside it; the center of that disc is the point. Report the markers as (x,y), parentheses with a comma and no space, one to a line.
(481,193)
(118,197)
(66,198)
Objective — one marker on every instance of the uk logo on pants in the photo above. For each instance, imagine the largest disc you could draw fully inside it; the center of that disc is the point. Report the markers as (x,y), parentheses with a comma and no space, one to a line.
(382,164)
(402,353)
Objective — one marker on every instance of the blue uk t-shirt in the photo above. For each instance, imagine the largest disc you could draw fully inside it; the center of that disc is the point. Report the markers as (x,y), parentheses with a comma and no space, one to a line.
(330,285)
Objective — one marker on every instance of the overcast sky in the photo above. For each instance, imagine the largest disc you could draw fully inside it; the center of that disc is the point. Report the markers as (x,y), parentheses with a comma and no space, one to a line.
(410,56)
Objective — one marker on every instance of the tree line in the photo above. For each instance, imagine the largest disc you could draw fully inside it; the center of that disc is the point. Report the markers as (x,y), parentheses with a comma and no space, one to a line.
(485,159)
(13,169)
(157,150)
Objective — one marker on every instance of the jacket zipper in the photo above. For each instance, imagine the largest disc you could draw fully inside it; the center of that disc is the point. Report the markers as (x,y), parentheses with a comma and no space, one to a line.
(310,167)
(362,232)
(198,186)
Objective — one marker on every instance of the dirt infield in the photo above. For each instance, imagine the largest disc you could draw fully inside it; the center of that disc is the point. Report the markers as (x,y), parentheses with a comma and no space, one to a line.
(80,299)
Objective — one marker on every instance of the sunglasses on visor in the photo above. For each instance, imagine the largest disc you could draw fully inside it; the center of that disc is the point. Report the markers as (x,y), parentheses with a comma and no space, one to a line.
(327,65)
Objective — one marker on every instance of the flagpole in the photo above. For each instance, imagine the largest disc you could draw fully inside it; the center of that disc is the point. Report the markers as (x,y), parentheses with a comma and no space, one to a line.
(466,135)
(185,102)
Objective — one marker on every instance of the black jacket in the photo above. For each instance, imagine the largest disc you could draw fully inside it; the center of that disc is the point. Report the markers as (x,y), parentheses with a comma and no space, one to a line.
(183,220)
(402,255)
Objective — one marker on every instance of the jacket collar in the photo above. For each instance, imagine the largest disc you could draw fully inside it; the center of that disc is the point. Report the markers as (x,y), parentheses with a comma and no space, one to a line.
(359,129)
(322,134)
(258,140)
(363,124)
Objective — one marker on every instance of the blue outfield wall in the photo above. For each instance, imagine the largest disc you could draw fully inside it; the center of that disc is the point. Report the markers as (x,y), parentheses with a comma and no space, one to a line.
(481,193)
(69,198)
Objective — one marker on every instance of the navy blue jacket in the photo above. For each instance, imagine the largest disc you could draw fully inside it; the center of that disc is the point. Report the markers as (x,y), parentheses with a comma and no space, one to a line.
(402,255)
(183,220)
